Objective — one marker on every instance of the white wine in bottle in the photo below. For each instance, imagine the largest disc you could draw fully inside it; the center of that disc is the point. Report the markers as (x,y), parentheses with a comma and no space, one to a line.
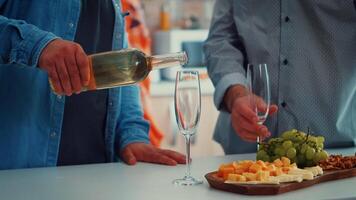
(126,67)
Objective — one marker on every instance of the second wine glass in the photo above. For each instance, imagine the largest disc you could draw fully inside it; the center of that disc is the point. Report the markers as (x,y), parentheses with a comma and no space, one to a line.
(187,110)
(258,85)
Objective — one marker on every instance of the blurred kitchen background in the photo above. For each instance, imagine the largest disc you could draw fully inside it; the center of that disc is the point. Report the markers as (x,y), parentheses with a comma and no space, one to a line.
(173,26)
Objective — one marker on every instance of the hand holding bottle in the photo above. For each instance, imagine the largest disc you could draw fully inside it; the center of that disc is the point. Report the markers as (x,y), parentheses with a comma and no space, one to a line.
(243,118)
(67,66)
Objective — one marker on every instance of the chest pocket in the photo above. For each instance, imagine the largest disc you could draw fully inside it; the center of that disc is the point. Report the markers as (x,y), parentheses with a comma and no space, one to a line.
(252,15)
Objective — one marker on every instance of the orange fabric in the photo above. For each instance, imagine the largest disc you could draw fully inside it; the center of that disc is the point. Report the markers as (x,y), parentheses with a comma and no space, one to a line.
(138,37)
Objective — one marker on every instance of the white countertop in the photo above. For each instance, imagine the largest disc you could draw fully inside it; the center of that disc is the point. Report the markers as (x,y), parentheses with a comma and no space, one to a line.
(145,182)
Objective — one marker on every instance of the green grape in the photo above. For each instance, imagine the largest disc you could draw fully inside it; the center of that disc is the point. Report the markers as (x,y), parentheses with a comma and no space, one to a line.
(295,137)
(320,145)
(271,141)
(302,134)
(279,151)
(297,146)
(266,158)
(294,130)
(295,134)
(260,155)
(261,147)
(304,148)
(309,154)
(316,158)
(323,155)
(287,135)
(312,139)
(291,152)
(320,139)
(287,144)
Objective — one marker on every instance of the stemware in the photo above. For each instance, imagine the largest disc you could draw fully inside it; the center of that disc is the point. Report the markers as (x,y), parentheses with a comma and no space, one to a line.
(187,109)
(258,85)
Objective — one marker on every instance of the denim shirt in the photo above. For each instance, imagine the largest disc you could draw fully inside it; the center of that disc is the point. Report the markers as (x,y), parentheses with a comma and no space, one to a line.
(30,113)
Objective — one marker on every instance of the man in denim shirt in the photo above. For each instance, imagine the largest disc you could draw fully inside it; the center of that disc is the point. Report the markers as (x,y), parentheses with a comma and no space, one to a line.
(39,128)
(310,49)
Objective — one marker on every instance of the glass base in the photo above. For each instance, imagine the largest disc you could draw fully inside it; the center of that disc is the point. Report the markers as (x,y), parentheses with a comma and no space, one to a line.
(187,180)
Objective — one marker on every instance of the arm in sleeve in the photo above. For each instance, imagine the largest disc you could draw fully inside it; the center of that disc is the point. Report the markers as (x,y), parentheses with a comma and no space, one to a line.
(22,43)
(132,126)
(224,52)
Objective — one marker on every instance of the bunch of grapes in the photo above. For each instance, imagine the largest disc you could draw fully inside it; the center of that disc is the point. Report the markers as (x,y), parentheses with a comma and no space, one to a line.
(304,149)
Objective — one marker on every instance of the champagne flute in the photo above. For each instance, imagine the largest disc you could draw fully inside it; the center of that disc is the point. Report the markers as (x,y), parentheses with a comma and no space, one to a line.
(258,86)
(187,110)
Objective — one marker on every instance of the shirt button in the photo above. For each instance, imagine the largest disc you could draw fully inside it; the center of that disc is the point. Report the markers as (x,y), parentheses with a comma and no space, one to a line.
(59,97)
(283,104)
(110,103)
(286,19)
(71,25)
(285,62)
(53,134)
(127,13)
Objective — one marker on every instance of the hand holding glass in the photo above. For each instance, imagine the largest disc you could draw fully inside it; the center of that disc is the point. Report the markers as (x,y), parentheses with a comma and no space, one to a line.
(258,86)
(187,110)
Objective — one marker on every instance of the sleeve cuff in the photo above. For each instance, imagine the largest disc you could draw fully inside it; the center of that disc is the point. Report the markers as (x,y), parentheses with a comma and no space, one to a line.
(30,48)
(40,46)
(224,83)
(129,136)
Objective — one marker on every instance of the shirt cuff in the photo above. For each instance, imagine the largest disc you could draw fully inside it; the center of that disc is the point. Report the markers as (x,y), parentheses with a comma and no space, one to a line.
(131,135)
(222,86)
(31,47)
(40,46)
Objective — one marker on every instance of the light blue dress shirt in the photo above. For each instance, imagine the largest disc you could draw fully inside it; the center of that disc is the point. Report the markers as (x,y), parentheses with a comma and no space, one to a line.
(310,49)
(30,114)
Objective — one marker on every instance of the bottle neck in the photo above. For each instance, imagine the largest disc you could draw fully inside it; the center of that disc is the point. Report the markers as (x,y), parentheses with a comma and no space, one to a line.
(167,60)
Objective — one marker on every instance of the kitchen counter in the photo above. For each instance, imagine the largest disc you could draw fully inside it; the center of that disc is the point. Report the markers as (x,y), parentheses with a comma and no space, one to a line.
(145,182)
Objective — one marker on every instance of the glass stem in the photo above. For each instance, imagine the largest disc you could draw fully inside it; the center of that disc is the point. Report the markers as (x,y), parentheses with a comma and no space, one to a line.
(187,141)
(258,142)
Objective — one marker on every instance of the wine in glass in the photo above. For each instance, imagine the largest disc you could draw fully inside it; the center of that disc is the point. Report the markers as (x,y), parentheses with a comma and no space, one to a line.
(260,96)
(187,110)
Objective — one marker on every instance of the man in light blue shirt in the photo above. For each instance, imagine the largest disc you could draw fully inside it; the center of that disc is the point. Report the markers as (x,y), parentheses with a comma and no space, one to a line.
(36,44)
(310,49)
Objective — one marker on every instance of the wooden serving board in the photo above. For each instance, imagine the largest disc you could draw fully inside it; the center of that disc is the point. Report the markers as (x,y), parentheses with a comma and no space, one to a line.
(261,189)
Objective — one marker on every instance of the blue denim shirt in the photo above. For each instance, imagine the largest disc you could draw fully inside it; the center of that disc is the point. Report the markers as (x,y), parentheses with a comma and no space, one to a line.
(30,114)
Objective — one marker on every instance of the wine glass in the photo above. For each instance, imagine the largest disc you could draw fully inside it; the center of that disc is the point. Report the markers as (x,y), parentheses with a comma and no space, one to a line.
(258,86)
(187,110)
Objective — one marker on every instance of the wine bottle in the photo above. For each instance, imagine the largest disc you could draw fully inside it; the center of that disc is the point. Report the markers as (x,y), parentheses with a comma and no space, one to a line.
(126,67)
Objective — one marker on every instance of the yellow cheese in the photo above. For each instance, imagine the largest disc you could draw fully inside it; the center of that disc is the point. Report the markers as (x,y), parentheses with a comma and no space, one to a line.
(307,175)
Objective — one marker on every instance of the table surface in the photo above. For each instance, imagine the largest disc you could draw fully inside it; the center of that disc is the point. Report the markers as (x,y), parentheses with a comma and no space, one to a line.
(145,182)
